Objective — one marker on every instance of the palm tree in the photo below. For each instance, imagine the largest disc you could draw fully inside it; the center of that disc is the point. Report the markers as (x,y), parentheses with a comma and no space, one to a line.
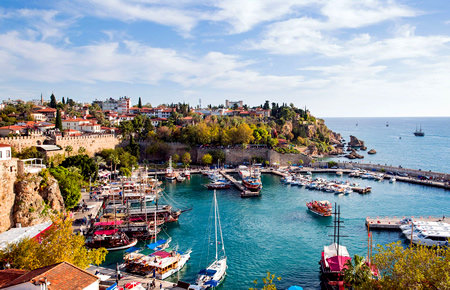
(81,150)
(357,272)
(69,149)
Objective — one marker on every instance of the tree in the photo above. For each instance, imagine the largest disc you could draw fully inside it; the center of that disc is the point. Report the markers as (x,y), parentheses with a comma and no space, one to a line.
(63,101)
(69,149)
(207,159)
(186,158)
(357,273)
(175,158)
(58,121)
(81,150)
(57,244)
(69,183)
(88,167)
(53,103)
(140,103)
(268,282)
(418,267)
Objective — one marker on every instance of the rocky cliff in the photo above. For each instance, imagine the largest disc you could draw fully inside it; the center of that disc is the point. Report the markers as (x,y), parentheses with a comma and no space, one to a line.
(8,172)
(36,197)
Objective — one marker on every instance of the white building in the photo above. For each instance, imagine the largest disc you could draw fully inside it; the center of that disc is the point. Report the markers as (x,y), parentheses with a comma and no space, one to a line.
(81,125)
(124,105)
(5,152)
(230,104)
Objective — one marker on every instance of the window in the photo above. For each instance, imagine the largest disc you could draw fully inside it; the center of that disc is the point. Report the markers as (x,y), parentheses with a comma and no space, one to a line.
(8,153)
(1,152)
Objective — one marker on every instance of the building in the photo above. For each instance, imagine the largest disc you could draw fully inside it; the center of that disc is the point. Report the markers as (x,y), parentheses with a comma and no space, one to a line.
(5,152)
(38,117)
(231,104)
(50,113)
(13,129)
(81,125)
(124,105)
(62,275)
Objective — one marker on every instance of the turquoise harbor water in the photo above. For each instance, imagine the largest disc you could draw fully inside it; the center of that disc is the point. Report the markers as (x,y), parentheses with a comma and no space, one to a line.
(396,144)
(276,233)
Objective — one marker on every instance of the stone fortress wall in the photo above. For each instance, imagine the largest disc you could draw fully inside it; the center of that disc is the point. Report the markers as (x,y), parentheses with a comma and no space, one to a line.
(8,176)
(92,143)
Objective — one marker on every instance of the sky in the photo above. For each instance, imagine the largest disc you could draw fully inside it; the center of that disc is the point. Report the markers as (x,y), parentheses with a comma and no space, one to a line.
(346,58)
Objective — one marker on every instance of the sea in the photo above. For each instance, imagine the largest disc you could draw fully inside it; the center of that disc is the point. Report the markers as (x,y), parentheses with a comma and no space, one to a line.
(395,143)
(276,233)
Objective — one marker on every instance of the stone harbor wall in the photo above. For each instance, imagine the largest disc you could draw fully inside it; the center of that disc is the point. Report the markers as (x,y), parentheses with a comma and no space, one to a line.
(237,156)
(8,176)
(92,144)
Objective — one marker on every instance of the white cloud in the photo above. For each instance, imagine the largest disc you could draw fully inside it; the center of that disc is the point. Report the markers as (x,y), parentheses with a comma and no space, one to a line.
(129,62)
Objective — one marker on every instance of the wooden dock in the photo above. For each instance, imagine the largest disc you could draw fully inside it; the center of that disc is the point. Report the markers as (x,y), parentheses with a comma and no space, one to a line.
(393,223)
(362,190)
(127,278)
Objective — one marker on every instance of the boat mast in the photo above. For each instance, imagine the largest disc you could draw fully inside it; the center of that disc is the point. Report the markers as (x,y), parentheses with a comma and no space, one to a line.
(215,219)
(220,228)
(156,202)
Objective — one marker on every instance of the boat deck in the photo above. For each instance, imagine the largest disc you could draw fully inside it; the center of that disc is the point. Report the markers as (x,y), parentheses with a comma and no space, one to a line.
(244,191)
(393,223)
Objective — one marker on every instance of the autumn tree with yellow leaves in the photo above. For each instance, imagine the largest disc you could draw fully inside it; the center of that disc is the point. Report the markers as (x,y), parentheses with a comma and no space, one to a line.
(55,245)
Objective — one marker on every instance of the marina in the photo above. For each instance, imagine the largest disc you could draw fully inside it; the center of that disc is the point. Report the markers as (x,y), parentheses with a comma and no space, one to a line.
(270,230)
(394,223)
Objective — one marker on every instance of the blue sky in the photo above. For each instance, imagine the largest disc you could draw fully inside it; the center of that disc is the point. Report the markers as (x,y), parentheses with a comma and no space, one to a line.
(337,57)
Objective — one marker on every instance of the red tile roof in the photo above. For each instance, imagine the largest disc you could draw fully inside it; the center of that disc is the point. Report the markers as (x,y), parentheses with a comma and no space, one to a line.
(13,127)
(47,110)
(10,274)
(5,145)
(61,276)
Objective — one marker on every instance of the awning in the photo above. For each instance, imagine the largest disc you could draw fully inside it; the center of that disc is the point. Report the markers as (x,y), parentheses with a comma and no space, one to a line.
(207,272)
(337,263)
(132,249)
(106,232)
(156,244)
(162,254)
(213,283)
(111,223)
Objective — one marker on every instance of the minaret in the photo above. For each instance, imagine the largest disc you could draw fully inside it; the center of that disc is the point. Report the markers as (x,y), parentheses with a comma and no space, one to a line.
(42,100)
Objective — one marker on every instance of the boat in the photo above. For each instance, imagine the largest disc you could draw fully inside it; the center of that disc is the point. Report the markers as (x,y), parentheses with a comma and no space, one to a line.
(215,273)
(322,208)
(187,173)
(252,183)
(243,171)
(170,174)
(387,124)
(112,240)
(340,173)
(392,180)
(419,132)
(334,257)
(181,178)
(218,185)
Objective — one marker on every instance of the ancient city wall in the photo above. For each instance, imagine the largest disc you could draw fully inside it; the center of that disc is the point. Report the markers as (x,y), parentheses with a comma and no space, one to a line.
(19,143)
(238,156)
(8,173)
(92,143)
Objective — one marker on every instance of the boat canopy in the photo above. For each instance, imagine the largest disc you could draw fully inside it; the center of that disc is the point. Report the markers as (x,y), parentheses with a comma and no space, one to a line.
(132,249)
(106,232)
(337,263)
(331,251)
(111,223)
(207,272)
(213,283)
(156,244)
(162,254)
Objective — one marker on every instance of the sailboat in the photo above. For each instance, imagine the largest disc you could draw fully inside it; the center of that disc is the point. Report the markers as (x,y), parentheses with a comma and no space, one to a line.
(215,273)
(419,132)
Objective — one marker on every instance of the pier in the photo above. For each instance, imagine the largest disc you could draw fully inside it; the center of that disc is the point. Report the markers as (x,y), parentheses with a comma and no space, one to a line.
(127,278)
(393,223)
(244,191)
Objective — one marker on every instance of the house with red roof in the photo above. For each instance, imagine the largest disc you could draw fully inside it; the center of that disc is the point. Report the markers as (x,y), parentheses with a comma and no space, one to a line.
(49,113)
(61,275)
(13,129)
(5,152)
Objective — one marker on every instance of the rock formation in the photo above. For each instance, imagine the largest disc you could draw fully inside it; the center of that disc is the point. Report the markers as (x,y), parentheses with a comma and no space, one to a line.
(336,151)
(372,151)
(355,142)
(354,155)
(35,198)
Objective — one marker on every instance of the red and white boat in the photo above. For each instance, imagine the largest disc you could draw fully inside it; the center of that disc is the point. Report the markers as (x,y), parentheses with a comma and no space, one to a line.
(170,174)
(321,207)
